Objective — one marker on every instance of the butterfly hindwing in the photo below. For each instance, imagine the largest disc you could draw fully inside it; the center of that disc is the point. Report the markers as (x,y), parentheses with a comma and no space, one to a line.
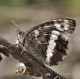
(49,41)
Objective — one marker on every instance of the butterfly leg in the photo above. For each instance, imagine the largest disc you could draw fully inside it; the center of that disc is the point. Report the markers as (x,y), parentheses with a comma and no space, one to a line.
(16,43)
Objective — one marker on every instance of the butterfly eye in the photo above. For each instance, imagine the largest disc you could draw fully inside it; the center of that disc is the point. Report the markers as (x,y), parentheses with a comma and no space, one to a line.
(62,26)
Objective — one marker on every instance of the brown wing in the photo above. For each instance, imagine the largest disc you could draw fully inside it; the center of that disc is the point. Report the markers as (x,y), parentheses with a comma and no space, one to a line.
(39,38)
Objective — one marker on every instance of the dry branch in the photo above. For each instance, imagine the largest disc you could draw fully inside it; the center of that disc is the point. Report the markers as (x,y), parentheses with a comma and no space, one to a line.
(35,67)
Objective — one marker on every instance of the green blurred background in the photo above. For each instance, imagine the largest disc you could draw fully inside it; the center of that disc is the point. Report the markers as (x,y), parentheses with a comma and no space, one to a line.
(28,13)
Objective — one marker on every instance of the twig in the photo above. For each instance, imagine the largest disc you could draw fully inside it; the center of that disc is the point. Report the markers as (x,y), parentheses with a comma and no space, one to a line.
(32,63)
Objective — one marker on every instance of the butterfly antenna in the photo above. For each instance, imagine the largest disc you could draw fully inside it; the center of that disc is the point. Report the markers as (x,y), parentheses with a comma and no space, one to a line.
(15,25)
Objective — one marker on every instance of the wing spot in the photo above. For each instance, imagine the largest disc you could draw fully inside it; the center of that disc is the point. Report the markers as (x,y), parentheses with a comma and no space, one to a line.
(36,34)
(62,26)
(58,26)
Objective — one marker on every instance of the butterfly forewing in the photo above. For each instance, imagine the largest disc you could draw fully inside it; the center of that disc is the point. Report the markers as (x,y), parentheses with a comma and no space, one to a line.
(48,41)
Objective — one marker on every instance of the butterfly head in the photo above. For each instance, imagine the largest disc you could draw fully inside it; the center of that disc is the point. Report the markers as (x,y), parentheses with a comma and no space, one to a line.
(21,36)
(67,25)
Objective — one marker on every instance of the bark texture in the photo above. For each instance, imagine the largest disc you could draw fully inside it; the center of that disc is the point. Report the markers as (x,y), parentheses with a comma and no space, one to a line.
(34,66)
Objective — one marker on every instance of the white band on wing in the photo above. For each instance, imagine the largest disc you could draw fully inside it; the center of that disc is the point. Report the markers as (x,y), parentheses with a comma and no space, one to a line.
(51,46)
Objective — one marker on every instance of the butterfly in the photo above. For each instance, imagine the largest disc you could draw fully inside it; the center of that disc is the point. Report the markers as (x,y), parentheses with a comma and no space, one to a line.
(48,41)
